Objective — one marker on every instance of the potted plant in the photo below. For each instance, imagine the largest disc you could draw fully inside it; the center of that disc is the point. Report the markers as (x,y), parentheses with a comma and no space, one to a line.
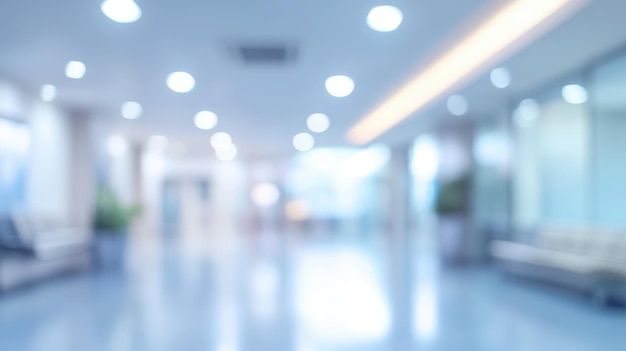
(110,223)
(453,204)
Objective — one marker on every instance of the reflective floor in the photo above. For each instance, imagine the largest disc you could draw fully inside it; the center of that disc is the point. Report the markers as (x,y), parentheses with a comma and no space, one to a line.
(302,293)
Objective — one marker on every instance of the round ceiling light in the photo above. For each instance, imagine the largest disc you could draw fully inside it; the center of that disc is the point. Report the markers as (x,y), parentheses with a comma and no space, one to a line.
(75,70)
(303,141)
(339,86)
(227,154)
(221,141)
(205,120)
(457,105)
(121,11)
(131,110)
(500,77)
(48,92)
(318,122)
(181,82)
(575,94)
(384,18)
(527,112)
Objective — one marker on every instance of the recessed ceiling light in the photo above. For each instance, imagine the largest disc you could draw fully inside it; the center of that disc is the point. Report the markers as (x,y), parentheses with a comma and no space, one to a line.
(221,141)
(500,77)
(384,18)
(205,120)
(318,122)
(496,38)
(339,86)
(121,11)
(527,111)
(457,105)
(181,82)
(227,154)
(303,141)
(575,94)
(131,110)
(75,69)
(48,92)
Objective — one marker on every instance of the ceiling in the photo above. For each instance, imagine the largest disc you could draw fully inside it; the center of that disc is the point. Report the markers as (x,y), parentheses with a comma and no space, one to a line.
(264,105)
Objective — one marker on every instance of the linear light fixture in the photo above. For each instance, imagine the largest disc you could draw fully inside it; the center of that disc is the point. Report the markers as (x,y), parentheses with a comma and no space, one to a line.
(488,42)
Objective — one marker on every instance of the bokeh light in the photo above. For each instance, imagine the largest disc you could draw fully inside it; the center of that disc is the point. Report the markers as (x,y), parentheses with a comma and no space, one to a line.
(339,86)
(181,82)
(303,141)
(457,105)
(265,194)
(205,120)
(575,94)
(384,18)
(131,110)
(318,122)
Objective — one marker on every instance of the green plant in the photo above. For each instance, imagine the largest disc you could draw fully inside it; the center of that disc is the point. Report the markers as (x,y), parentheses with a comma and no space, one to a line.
(110,214)
(454,196)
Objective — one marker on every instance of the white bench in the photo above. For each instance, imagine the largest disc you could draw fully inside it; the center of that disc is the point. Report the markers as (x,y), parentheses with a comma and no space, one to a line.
(37,253)
(587,258)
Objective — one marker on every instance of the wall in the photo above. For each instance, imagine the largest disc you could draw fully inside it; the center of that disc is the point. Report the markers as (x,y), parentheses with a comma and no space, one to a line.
(58,180)
(83,180)
(48,189)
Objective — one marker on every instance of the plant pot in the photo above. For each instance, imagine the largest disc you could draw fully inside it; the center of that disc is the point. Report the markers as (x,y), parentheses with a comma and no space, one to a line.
(111,250)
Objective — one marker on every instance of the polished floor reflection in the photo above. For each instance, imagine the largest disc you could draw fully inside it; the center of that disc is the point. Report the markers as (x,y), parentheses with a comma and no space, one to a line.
(299,293)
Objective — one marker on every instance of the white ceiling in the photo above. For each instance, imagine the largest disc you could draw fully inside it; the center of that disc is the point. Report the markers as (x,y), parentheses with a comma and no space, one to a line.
(264,106)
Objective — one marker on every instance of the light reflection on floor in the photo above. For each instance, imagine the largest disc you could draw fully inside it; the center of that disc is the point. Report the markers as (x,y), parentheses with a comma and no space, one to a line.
(339,297)
(299,293)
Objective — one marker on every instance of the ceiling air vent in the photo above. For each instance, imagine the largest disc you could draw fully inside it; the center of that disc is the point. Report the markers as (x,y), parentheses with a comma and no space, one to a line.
(267,54)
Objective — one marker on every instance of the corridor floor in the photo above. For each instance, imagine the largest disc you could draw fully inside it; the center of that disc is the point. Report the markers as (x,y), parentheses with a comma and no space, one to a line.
(299,293)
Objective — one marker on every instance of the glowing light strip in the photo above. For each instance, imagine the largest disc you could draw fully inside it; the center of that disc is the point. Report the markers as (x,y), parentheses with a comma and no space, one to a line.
(490,39)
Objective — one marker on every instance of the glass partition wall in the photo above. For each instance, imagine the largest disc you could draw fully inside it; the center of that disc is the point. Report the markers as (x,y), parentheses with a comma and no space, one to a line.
(608,94)
(570,151)
(551,180)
